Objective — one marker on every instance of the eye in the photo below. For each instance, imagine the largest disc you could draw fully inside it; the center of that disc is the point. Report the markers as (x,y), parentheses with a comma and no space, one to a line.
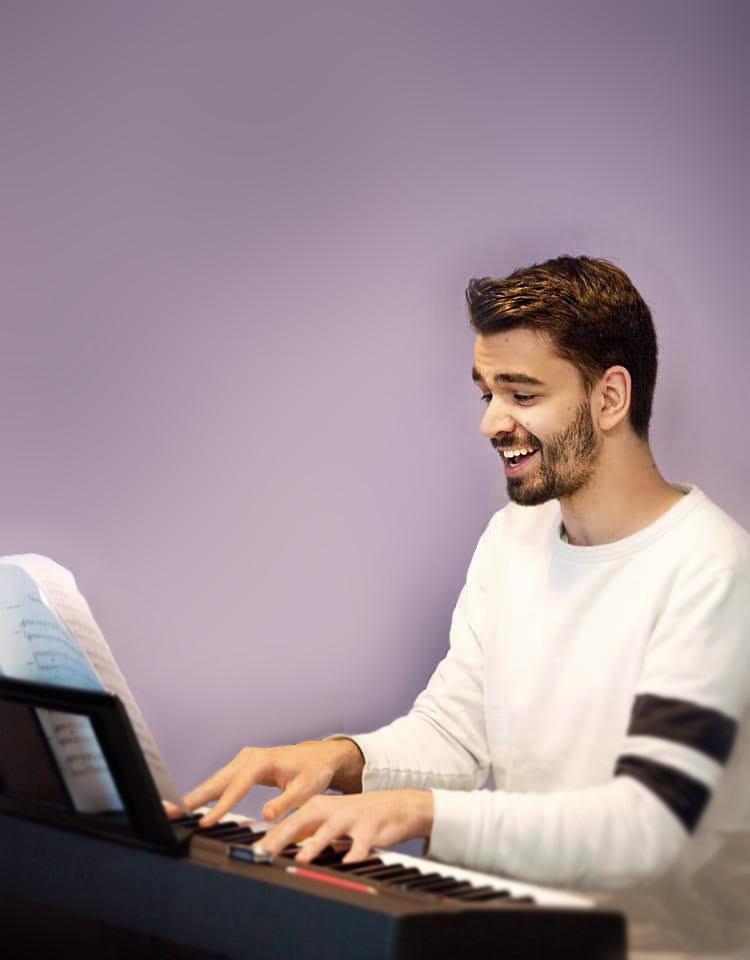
(486,397)
(523,397)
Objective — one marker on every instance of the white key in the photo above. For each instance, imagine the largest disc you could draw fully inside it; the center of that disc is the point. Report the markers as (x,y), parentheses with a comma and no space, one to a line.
(544,896)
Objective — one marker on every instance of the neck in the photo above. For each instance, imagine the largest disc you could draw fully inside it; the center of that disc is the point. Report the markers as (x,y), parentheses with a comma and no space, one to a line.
(625,494)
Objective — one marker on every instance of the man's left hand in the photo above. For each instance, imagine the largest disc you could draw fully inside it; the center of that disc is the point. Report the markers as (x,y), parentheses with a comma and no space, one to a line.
(380,818)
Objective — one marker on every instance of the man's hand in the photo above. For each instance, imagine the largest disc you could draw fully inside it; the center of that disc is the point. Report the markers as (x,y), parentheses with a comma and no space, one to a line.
(380,818)
(300,771)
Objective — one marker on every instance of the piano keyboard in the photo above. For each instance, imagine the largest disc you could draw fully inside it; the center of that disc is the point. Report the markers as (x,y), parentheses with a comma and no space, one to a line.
(214,900)
(391,870)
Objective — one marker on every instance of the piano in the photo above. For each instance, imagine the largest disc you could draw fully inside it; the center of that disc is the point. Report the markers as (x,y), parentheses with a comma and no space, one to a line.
(62,891)
(129,883)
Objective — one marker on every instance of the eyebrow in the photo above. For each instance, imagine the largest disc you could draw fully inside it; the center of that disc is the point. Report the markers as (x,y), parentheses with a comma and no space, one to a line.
(507,378)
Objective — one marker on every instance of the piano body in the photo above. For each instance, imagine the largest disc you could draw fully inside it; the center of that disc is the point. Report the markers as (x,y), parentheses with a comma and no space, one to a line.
(59,888)
(135,884)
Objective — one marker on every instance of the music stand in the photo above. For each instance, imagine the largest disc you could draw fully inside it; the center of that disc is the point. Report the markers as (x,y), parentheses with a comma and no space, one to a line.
(32,787)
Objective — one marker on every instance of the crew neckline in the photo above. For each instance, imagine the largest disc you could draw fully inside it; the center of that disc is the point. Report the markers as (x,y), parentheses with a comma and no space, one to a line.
(636,541)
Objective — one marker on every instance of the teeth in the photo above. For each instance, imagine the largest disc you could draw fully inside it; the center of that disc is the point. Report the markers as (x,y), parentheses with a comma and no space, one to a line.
(509,454)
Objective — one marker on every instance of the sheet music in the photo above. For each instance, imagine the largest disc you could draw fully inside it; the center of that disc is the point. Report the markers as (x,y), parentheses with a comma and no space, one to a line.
(48,634)
(81,762)
(35,645)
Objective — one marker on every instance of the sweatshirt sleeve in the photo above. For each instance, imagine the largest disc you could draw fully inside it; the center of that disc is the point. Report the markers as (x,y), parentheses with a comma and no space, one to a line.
(692,692)
(442,741)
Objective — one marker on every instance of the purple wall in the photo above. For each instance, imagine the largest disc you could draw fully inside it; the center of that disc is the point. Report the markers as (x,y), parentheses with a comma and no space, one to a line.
(234,375)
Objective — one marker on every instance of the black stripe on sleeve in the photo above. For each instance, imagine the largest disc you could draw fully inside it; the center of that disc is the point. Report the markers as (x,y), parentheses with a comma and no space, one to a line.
(685,797)
(702,728)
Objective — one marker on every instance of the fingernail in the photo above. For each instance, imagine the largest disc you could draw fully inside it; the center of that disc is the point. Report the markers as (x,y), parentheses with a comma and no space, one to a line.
(239,852)
(260,854)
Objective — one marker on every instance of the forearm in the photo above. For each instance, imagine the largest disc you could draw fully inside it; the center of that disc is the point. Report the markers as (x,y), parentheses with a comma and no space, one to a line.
(607,837)
(418,752)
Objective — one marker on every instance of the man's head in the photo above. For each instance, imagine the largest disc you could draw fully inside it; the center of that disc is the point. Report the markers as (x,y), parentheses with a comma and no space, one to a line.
(569,348)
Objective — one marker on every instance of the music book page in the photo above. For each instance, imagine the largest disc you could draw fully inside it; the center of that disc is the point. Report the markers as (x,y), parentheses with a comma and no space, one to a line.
(48,635)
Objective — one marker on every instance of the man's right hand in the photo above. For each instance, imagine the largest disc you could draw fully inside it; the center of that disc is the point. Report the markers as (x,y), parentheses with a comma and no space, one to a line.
(300,771)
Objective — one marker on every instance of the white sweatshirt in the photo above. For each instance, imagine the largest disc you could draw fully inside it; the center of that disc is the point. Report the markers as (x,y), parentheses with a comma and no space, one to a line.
(605,689)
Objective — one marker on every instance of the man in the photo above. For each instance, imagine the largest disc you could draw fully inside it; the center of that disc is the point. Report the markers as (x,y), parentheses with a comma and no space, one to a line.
(599,661)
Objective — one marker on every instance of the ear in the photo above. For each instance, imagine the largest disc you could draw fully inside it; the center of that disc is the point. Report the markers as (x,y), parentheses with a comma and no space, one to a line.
(612,397)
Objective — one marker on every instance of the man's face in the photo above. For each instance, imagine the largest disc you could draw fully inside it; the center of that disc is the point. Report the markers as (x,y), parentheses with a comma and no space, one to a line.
(537,403)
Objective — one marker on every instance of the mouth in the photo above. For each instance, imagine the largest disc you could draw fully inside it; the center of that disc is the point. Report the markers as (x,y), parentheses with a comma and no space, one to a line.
(518,460)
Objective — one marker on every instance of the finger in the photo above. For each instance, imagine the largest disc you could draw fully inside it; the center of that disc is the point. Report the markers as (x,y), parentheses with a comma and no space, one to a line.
(231,796)
(171,809)
(295,794)
(295,827)
(323,837)
(359,850)
(208,790)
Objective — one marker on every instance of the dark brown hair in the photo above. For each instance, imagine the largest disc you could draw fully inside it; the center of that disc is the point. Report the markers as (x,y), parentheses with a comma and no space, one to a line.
(591,313)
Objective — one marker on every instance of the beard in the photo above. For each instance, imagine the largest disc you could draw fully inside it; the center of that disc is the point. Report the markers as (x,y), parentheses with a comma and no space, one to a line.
(566,464)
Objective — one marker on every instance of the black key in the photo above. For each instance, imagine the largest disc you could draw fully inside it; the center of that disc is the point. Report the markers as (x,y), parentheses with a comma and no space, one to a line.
(188,820)
(328,857)
(523,900)
(447,886)
(384,872)
(238,835)
(244,835)
(475,893)
(362,869)
(437,882)
(247,836)
(462,887)
(426,878)
(218,828)
(411,874)
(357,864)
(476,896)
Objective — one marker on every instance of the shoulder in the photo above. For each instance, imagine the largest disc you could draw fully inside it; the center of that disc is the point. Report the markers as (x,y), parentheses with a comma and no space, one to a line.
(713,541)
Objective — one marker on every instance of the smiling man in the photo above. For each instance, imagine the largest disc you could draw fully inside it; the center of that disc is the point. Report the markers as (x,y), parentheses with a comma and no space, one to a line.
(599,658)
(567,462)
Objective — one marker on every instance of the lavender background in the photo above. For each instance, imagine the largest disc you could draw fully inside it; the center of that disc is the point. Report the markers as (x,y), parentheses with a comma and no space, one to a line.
(234,370)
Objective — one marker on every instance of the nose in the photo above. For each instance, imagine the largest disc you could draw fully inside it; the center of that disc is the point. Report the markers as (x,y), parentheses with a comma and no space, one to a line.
(497,419)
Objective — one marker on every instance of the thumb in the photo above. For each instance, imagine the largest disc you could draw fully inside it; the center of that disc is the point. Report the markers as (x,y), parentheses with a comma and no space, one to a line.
(296,793)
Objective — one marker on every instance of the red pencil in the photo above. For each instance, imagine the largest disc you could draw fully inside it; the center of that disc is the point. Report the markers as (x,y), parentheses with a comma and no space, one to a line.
(329,878)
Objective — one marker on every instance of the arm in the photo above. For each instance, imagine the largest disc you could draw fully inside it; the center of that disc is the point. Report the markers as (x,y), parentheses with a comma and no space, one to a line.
(692,691)
(612,835)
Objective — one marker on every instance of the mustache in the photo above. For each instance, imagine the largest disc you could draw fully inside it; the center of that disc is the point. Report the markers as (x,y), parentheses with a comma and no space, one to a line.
(514,443)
